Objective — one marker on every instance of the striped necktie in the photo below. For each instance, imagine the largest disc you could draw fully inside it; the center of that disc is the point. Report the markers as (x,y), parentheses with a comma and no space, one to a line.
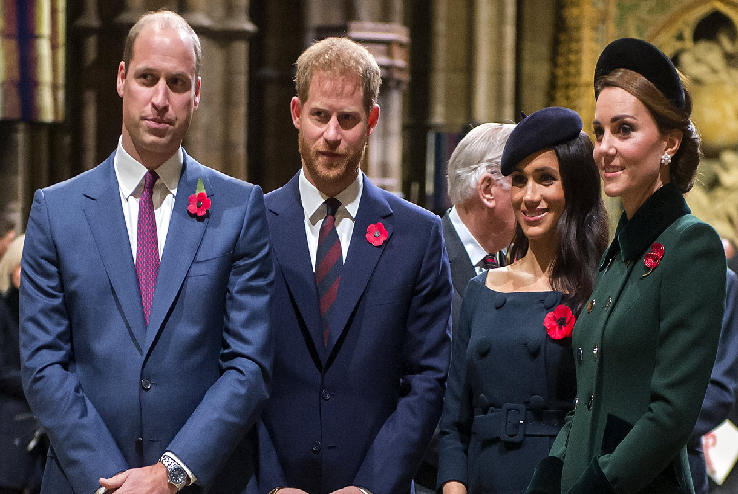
(490,261)
(328,265)
(147,245)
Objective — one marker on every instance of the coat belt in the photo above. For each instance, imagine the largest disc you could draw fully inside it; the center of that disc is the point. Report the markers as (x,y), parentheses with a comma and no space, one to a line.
(513,422)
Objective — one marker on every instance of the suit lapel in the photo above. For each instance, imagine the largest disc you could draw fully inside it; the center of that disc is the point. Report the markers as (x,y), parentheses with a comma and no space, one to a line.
(462,269)
(183,240)
(291,249)
(362,258)
(104,214)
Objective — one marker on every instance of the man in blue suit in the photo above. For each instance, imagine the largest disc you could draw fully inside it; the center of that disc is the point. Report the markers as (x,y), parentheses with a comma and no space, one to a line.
(362,301)
(145,298)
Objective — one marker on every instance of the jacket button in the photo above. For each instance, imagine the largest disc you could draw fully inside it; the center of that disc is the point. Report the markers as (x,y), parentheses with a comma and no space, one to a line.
(325,394)
(590,306)
(576,402)
(316,447)
(483,346)
(145,384)
(580,355)
(609,302)
(590,402)
(595,352)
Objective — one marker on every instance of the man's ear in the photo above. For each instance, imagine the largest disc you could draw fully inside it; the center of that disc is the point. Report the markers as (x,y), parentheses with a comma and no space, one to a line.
(486,189)
(296,111)
(121,78)
(197,93)
(373,119)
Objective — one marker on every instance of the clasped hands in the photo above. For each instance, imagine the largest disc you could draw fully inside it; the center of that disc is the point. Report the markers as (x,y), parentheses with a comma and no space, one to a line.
(145,480)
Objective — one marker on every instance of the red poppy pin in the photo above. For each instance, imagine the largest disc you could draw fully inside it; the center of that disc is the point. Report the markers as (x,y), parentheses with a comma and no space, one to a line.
(559,322)
(199,202)
(653,258)
(376,234)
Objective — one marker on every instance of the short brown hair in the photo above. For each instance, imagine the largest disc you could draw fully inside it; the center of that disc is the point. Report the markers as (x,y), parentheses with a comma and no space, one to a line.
(668,117)
(162,19)
(339,56)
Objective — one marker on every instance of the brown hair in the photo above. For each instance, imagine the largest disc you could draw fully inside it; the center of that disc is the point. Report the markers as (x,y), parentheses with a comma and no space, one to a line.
(667,116)
(163,19)
(343,57)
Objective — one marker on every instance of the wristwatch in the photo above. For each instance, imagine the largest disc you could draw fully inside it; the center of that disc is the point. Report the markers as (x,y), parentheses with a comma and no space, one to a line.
(176,474)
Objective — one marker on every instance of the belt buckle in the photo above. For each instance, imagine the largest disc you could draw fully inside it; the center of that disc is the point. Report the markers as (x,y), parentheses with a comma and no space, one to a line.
(506,409)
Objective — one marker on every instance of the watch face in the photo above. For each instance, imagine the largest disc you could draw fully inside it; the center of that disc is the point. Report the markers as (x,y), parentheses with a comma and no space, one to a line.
(177,475)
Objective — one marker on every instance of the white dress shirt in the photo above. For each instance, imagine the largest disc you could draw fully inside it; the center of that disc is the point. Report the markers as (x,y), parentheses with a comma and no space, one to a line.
(315,210)
(130,174)
(473,248)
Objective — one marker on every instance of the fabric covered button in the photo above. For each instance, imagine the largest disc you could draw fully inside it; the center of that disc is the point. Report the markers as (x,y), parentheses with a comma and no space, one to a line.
(537,402)
(534,344)
(483,346)
(550,301)
(500,300)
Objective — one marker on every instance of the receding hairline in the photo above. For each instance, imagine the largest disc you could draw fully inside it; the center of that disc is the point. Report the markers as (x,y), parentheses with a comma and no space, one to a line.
(161,20)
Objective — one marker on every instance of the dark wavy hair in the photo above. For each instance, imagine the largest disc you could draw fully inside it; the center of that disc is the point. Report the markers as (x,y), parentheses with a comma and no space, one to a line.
(582,228)
(667,116)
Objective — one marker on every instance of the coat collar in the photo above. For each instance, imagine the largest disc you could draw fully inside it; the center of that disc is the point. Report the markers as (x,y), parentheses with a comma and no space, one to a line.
(633,236)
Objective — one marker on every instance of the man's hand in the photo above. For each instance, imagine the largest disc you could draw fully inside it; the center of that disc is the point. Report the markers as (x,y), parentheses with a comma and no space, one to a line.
(290,490)
(348,490)
(145,480)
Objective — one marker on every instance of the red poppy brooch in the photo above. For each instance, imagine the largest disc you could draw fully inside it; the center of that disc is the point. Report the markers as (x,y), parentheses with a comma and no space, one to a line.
(559,322)
(376,234)
(653,258)
(199,203)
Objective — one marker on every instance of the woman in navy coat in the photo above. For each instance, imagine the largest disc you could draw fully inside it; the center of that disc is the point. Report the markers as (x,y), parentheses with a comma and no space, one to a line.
(511,381)
(645,344)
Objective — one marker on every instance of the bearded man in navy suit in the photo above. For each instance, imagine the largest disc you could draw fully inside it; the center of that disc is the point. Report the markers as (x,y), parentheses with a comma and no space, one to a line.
(362,301)
(145,294)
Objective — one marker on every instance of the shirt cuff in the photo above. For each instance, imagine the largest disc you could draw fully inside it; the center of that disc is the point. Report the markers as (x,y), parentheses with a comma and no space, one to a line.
(189,473)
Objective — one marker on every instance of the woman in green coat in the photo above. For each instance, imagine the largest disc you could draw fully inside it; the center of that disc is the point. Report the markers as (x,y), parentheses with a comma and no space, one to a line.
(645,344)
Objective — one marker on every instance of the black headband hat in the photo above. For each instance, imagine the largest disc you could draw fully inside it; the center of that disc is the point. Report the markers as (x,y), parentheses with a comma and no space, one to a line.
(642,57)
(542,129)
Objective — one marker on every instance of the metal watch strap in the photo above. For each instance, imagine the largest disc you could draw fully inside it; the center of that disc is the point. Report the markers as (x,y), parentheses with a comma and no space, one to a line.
(172,466)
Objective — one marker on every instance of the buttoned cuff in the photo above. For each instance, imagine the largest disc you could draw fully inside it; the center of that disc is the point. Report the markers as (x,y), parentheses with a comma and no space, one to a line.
(190,475)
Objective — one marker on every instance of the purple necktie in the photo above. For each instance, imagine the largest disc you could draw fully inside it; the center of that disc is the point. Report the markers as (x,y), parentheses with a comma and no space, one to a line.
(147,245)
(328,264)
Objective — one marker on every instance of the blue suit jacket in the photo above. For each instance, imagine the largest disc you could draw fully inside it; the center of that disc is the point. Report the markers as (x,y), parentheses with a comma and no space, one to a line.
(361,411)
(115,394)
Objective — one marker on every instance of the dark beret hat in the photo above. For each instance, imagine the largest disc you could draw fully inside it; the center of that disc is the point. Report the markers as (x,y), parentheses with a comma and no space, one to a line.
(539,130)
(642,57)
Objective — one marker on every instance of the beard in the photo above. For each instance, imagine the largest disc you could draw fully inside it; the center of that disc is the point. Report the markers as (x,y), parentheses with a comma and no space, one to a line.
(325,171)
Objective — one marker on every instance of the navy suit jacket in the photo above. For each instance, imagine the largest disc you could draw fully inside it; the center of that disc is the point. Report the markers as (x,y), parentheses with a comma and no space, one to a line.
(721,392)
(361,410)
(462,269)
(114,394)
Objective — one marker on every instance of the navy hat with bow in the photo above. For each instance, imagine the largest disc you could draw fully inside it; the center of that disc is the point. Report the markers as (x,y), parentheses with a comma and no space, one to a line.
(542,129)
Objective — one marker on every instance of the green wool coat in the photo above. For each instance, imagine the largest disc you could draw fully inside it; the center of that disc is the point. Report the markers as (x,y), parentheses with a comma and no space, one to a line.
(644,346)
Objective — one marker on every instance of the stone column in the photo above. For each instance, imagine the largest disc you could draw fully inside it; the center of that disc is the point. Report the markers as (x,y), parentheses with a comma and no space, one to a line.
(87,28)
